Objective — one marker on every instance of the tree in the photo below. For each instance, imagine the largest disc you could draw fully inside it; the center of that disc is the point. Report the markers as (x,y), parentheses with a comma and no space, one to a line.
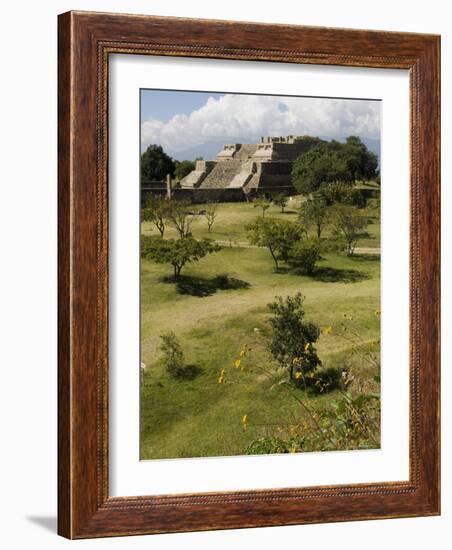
(155,164)
(183,168)
(277,235)
(181,216)
(317,167)
(156,211)
(349,224)
(334,162)
(292,339)
(304,255)
(315,212)
(210,213)
(281,201)
(362,163)
(263,203)
(177,252)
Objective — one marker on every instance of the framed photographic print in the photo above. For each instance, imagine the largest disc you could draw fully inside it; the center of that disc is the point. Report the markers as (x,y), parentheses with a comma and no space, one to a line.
(248,275)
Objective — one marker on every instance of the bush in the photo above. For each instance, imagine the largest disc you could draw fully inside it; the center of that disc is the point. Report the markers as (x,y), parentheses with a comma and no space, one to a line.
(328,379)
(304,255)
(292,339)
(173,356)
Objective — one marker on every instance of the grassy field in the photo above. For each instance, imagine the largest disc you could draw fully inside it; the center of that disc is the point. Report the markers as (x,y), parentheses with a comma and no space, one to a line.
(213,320)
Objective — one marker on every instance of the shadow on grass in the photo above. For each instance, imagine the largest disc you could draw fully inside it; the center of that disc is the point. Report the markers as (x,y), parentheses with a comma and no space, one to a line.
(365,257)
(201,287)
(189,372)
(334,275)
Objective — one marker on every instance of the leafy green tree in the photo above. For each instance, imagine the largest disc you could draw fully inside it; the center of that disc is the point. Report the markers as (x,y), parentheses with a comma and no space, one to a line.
(362,163)
(156,211)
(304,255)
(155,164)
(319,166)
(281,201)
(314,212)
(277,235)
(181,216)
(263,203)
(210,213)
(183,168)
(177,252)
(349,224)
(334,162)
(292,338)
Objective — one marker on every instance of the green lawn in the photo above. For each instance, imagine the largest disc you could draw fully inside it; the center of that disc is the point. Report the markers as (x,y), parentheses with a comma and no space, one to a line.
(199,417)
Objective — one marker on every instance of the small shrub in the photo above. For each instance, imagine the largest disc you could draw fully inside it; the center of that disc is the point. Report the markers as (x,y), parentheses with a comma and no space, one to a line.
(328,379)
(292,338)
(304,255)
(173,356)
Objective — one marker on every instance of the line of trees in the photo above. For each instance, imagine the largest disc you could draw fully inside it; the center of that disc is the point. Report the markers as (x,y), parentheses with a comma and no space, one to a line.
(155,165)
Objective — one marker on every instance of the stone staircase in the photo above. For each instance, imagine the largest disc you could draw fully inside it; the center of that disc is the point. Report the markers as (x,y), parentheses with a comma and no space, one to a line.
(246,151)
(222,174)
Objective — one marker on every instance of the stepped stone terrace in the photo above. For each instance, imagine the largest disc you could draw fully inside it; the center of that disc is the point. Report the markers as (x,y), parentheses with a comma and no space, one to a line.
(248,170)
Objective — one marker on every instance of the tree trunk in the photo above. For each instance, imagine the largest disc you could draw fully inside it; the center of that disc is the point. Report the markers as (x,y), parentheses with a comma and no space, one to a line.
(275,259)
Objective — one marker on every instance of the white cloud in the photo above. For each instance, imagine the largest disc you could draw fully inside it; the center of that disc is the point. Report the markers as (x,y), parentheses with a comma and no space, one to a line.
(254,115)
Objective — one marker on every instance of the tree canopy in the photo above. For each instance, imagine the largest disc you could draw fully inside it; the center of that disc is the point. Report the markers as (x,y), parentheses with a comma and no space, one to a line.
(334,162)
(177,252)
(314,212)
(277,235)
(156,164)
(349,224)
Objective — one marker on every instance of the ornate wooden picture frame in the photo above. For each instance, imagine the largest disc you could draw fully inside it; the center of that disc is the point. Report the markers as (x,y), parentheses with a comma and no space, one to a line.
(86,41)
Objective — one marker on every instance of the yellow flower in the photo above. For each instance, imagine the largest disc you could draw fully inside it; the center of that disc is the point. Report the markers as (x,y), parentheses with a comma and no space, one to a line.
(377,313)
(293,449)
(307,346)
(244,422)
(327,330)
(222,377)
(298,375)
(237,363)
(242,353)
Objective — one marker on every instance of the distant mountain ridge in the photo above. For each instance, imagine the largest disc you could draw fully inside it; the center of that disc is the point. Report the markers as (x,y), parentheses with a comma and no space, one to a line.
(210,149)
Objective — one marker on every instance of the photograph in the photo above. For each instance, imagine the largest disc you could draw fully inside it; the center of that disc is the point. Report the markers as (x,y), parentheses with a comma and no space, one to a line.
(260,274)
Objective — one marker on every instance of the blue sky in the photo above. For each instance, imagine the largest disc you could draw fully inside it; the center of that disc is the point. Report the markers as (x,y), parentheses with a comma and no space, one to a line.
(163,105)
(186,124)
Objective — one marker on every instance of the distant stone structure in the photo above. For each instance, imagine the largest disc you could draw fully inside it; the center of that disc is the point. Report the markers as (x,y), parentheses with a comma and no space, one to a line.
(243,171)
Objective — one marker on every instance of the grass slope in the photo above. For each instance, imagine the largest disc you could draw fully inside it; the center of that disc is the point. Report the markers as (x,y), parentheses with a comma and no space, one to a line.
(199,417)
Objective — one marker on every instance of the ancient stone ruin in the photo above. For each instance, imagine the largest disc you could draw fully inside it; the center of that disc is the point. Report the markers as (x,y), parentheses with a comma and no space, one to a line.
(239,172)
(250,170)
